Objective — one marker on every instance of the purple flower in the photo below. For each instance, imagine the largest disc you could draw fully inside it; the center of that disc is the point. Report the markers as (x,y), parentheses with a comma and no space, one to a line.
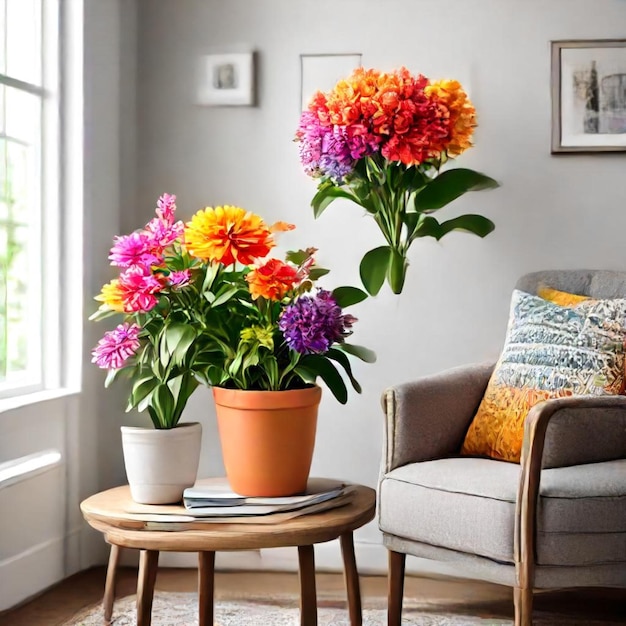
(133,249)
(117,346)
(312,324)
(324,150)
(179,278)
(332,151)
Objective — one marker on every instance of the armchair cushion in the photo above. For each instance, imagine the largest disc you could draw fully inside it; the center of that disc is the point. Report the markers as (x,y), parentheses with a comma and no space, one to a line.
(550,351)
(468,505)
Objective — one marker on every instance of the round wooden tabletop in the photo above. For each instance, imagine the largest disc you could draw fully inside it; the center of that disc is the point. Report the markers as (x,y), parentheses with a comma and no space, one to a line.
(108,512)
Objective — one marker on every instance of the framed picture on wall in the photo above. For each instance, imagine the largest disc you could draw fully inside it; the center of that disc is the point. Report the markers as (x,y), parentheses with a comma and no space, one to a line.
(320,72)
(226,79)
(589,95)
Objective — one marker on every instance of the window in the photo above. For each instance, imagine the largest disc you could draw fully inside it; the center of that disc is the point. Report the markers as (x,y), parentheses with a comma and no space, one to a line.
(29,196)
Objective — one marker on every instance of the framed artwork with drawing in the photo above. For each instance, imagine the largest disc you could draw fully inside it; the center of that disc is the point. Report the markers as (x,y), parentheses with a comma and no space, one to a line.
(227,80)
(589,95)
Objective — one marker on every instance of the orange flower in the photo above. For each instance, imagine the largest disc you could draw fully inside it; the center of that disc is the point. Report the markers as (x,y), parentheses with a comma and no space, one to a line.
(349,97)
(281,227)
(272,280)
(227,234)
(112,296)
(462,114)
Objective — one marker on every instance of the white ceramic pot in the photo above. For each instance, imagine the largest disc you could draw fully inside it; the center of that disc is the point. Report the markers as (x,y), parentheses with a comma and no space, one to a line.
(161,464)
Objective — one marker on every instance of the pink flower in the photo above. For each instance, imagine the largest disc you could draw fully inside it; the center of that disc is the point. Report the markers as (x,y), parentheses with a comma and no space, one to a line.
(179,279)
(117,346)
(138,286)
(133,249)
(161,233)
(166,207)
(162,230)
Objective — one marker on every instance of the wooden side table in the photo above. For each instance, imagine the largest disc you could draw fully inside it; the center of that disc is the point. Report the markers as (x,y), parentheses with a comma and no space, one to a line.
(106,512)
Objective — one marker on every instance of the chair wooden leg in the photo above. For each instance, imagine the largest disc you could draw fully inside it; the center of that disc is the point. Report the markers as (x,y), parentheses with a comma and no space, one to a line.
(109,586)
(206,583)
(308,594)
(523,600)
(395,588)
(351,577)
(148,565)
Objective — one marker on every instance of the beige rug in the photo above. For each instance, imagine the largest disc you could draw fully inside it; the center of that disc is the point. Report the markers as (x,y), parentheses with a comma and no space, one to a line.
(180,609)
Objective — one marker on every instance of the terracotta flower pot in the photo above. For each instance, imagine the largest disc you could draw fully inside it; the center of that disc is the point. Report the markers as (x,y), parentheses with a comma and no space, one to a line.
(267,438)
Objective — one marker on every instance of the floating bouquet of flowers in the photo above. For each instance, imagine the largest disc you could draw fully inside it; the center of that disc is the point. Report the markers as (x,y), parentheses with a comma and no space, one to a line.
(203,303)
(380,140)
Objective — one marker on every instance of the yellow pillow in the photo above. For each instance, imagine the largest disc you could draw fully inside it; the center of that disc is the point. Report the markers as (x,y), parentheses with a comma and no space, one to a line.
(550,351)
(562,298)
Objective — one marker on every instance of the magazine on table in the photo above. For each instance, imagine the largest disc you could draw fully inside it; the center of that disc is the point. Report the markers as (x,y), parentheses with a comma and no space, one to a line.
(213,496)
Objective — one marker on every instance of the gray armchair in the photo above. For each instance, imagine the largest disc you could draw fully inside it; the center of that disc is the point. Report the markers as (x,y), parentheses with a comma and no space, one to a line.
(558,519)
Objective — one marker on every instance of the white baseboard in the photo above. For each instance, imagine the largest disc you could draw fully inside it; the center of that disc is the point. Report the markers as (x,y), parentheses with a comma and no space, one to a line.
(29,572)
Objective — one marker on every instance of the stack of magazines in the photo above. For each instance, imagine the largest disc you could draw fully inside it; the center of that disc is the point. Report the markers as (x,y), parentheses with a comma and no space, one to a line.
(211,497)
(211,500)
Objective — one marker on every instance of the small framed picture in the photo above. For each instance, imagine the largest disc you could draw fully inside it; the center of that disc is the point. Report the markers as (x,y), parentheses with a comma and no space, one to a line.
(589,95)
(226,79)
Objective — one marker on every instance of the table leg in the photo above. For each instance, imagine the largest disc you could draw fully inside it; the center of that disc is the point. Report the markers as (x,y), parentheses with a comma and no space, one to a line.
(351,576)
(148,564)
(308,596)
(206,581)
(109,586)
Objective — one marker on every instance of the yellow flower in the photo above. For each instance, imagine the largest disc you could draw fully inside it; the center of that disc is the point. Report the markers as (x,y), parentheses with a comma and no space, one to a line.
(462,114)
(258,334)
(112,296)
(226,234)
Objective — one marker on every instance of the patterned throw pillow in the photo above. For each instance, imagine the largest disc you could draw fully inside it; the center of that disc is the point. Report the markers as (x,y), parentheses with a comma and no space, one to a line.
(550,351)
(563,298)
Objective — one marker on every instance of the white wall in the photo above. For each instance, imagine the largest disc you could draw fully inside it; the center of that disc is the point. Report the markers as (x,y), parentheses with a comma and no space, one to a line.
(561,211)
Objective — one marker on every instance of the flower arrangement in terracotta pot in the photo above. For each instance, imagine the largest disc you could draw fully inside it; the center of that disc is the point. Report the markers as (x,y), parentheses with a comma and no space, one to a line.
(383,140)
(205,303)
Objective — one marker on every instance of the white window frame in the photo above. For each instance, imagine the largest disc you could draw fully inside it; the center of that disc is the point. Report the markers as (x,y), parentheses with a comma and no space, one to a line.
(61,197)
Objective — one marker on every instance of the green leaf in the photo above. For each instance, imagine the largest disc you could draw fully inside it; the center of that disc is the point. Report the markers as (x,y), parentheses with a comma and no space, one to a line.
(111,376)
(365,354)
(328,372)
(211,273)
(347,296)
(163,405)
(141,388)
(224,296)
(164,353)
(449,185)
(326,194)
(374,172)
(476,224)
(343,360)
(397,271)
(179,338)
(413,179)
(373,269)
(427,227)
(317,272)
(297,257)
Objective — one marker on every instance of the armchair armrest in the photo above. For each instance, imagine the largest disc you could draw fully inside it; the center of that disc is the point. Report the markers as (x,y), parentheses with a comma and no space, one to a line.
(532,462)
(428,418)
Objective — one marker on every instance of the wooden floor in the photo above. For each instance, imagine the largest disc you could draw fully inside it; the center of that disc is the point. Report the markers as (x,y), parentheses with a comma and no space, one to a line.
(57,605)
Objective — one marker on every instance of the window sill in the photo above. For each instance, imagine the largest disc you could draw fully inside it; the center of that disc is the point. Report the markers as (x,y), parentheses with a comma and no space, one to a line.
(16,402)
